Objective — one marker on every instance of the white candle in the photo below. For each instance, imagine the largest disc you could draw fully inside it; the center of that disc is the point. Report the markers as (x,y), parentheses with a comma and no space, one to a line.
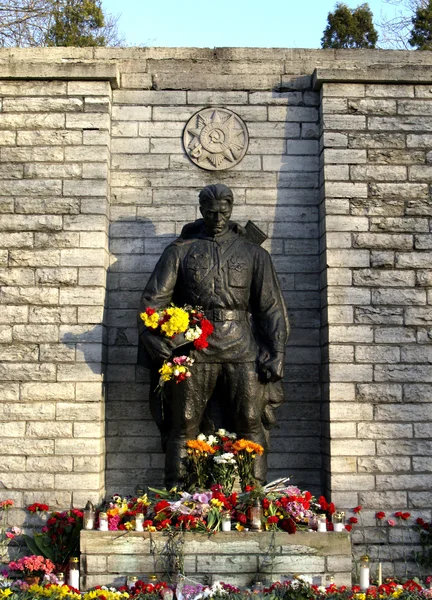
(322,526)
(364,577)
(139,522)
(74,578)
(226,524)
(379,573)
(88,523)
(338,527)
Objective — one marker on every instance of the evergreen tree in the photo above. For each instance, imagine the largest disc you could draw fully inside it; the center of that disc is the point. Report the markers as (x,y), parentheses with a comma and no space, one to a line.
(421,33)
(350,28)
(77,23)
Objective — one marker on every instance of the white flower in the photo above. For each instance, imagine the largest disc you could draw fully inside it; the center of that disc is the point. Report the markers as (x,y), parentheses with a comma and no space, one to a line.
(201,437)
(193,334)
(176,373)
(221,432)
(211,440)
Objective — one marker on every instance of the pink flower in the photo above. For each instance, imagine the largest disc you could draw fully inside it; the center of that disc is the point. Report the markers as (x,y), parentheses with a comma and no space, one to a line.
(9,535)
(391,522)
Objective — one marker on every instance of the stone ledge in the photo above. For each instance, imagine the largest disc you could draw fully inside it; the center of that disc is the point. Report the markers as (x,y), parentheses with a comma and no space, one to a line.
(235,557)
(66,71)
(376,73)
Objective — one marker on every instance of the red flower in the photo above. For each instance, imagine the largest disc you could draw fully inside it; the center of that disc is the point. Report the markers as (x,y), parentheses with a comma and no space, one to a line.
(348,527)
(380,515)
(288,525)
(357,509)
(420,521)
(323,503)
(37,507)
(331,508)
(405,516)
(353,520)
(398,514)
(241,518)
(265,503)
(273,519)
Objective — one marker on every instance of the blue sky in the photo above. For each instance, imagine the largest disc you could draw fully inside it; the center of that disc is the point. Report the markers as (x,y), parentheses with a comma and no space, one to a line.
(210,23)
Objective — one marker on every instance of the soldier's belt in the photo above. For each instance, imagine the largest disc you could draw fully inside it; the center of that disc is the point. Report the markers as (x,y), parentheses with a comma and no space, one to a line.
(221,314)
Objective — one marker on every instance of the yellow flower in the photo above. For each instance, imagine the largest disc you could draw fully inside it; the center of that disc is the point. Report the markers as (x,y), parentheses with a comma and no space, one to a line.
(5,593)
(129,525)
(151,321)
(239,527)
(216,502)
(166,372)
(178,322)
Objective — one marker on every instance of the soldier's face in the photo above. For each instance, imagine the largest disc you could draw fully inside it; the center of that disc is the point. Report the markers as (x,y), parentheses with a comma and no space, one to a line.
(216,215)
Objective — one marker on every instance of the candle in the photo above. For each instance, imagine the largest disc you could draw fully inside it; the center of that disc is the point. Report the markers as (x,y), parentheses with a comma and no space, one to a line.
(131,581)
(226,521)
(103,521)
(339,522)
(364,573)
(139,521)
(379,573)
(89,516)
(74,574)
(321,523)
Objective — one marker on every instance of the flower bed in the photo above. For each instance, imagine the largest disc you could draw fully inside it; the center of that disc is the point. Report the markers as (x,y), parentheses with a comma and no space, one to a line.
(296,589)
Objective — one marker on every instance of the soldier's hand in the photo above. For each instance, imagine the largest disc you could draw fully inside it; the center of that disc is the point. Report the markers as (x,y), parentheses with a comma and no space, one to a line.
(158,347)
(272,369)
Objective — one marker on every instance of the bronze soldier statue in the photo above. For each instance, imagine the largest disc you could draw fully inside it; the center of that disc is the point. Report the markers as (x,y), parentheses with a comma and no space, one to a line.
(216,265)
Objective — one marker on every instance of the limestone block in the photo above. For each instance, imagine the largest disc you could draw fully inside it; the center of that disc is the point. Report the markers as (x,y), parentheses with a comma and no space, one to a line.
(404,373)
(17,276)
(346,190)
(350,411)
(377,354)
(417,392)
(13,314)
(68,411)
(144,97)
(343,122)
(418,316)
(72,481)
(354,482)
(49,464)
(35,333)
(131,145)
(396,224)
(353,373)
(28,447)
(42,314)
(77,447)
(389,278)
(395,335)
(33,258)
(399,296)
(31,121)
(347,258)
(80,372)
(26,187)
(83,188)
(18,352)
(345,90)
(378,173)
(374,392)
(400,464)
(384,241)
(135,113)
(413,259)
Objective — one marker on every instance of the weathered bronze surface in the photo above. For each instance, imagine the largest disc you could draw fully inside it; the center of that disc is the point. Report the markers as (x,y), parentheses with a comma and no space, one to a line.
(220,266)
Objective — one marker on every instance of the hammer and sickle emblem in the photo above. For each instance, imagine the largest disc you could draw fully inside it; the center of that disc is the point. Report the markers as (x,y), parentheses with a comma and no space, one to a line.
(197,151)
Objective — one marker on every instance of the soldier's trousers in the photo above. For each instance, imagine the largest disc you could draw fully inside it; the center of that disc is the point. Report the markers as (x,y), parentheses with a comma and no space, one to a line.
(243,394)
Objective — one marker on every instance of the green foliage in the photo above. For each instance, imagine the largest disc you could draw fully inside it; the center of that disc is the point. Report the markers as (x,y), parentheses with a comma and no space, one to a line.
(350,28)
(421,33)
(77,23)
(60,538)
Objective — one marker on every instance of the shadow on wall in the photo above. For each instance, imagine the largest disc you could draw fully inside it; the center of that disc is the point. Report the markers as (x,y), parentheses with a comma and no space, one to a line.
(294,245)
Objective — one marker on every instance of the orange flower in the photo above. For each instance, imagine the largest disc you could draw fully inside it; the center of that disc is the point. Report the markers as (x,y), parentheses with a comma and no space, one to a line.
(200,446)
(248,446)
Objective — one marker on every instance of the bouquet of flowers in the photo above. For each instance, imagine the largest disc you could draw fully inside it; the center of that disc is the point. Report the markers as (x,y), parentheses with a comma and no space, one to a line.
(32,566)
(245,452)
(173,321)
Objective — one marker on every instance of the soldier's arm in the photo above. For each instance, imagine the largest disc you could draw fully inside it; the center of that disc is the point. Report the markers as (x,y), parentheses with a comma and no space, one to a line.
(270,314)
(158,294)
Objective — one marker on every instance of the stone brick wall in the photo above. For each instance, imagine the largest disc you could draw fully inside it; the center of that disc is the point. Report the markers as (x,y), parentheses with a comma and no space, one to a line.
(240,558)
(349,184)
(376,260)
(54,161)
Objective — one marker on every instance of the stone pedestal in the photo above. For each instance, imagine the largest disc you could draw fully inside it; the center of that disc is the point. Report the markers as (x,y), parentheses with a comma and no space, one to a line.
(235,557)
